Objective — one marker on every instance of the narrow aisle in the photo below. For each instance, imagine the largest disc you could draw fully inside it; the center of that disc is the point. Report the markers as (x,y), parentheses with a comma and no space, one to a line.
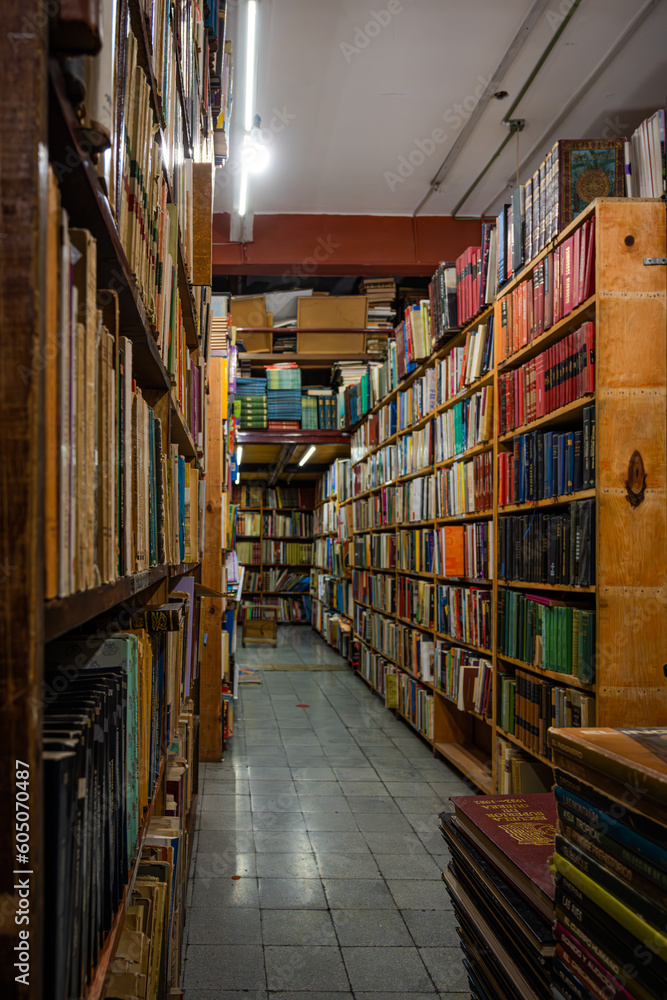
(317,866)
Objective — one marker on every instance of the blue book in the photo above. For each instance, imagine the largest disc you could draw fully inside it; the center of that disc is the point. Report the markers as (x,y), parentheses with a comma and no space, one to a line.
(570,461)
(501,247)
(561,464)
(605,825)
(548,463)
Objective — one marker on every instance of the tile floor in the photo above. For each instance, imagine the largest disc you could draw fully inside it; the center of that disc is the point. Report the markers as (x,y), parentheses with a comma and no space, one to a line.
(317,859)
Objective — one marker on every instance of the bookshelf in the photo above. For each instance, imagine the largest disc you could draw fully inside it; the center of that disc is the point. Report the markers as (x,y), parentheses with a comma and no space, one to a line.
(65,205)
(265,534)
(617,678)
(330,584)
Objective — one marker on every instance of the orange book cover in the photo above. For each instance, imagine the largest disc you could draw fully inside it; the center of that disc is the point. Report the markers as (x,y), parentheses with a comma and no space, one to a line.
(454,562)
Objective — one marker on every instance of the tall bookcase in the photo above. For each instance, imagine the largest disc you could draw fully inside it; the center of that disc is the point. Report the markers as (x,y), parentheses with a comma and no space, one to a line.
(56,159)
(267,595)
(628,547)
(330,581)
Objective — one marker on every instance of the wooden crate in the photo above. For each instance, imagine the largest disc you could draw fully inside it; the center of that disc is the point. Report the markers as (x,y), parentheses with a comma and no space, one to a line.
(263,630)
(332,312)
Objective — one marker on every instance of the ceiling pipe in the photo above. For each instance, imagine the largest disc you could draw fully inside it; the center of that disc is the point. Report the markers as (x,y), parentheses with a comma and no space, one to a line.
(527,26)
(522,93)
(576,97)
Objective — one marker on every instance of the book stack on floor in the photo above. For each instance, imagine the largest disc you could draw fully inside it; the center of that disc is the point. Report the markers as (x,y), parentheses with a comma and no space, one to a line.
(283,391)
(503,892)
(250,403)
(611,863)
(381,293)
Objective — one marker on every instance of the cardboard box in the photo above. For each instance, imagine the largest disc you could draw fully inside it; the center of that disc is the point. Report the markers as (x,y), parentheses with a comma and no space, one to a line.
(333,312)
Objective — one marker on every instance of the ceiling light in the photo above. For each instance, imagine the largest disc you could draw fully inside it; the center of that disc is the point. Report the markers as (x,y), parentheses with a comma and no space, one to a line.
(250,69)
(239,454)
(311,451)
(255,153)
(243,193)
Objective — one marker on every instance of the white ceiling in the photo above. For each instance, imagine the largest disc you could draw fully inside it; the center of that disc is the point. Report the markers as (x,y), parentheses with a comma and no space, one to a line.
(355,113)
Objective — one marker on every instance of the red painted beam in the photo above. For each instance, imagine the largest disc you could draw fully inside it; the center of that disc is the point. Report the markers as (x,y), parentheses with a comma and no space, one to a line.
(292,437)
(299,246)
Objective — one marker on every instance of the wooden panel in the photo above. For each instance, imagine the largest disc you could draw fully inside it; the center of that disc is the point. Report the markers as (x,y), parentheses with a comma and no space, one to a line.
(202,214)
(23,187)
(625,233)
(210,706)
(630,351)
(324,311)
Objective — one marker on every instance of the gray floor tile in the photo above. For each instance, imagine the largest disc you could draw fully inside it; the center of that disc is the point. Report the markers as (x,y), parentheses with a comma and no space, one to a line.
(214,994)
(324,803)
(237,966)
(275,803)
(420,866)
(383,823)
(265,821)
(432,928)
(308,995)
(361,773)
(372,804)
(327,822)
(373,789)
(446,968)
(214,893)
(287,866)
(226,841)
(269,773)
(419,803)
(222,864)
(395,843)
(427,822)
(347,866)
(305,968)
(339,843)
(225,821)
(359,928)
(281,842)
(419,894)
(225,803)
(237,925)
(272,786)
(297,927)
(315,773)
(291,894)
(358,894)
(387,969)
(310,787)
(222,786)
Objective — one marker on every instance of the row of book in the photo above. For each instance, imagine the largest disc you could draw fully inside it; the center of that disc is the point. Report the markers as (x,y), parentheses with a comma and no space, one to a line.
(610,868)
(549,548)
(519,771)
(464,678)
(561,282)
(275,580)
(415,652)
(411,501)
(108,699)
(528,706)
(378,590)
(294,525)
(465,425)
(378,630)
(547,634)
(334,627)
(463,614)
(376,470)
(118,497)
(415,550)
(462,366)
(464,551)
(331,556)
(416,704)
(290,609)
(545,465)
(325,518)
(477,275)
(558,376)
(375,551)
(415,601)
(464,487)
(336,481)
(378,671)
(332,592)
(380,293)
(319,412)
(274,498)
(414,451)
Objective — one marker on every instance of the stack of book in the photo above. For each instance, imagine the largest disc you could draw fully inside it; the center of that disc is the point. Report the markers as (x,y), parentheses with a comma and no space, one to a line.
(442,296)
(476,284)
(381,293)
(283,390)
(250,403)
(503,892)
(611,863)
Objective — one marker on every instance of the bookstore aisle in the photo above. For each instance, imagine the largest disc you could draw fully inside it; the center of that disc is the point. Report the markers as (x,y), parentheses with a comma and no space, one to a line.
(317,861)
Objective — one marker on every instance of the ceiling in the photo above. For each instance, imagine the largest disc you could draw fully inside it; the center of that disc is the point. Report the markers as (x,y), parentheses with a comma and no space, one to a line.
(355,100)
(261,461)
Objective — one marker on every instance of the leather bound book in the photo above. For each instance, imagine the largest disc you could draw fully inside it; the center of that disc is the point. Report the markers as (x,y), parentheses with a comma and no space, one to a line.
(516,833)
(588,169)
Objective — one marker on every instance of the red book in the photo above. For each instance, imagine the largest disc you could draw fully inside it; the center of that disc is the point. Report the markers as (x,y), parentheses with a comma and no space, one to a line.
(558,301)
(539,301)
(548,271)
(568,275)
(453,556)
(589,271)
(516,834)
(459,291)
(590,357)
(583,250)
(576,256)
(539,385)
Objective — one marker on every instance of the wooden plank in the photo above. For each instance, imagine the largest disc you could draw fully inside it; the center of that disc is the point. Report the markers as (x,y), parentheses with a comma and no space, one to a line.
(210,691)
(470,761)
(23,192)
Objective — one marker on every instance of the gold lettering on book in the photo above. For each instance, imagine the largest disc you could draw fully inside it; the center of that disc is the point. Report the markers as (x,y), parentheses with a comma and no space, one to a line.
(531,834)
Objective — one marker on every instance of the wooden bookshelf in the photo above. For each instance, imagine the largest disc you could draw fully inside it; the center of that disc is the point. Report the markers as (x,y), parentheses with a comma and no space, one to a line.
(629,595)
(332,485)
(49,133)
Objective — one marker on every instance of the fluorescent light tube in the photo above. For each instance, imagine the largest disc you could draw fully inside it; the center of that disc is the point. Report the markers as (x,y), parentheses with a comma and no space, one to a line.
(251,48)
(311,451)
(239,454)
(243,193)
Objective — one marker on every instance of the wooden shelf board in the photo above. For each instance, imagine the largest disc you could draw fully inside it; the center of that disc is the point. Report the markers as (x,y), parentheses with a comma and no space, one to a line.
(465,581)
(474,387)
(563,415)
(180,432)
(413,725)
(478,449)
(305,360)
(461,642)
(470,760)
(468,711)
(422,628)
(477,515)
(553,675)
(558,501)
(297,436)
(555,587)
(376,447)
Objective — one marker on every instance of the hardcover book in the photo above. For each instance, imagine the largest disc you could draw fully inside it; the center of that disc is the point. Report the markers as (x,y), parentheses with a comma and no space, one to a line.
(588,169)
(516,833)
